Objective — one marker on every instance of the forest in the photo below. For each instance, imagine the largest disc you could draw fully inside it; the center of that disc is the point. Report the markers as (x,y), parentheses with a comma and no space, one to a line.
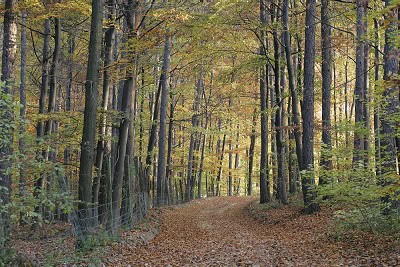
(214,125)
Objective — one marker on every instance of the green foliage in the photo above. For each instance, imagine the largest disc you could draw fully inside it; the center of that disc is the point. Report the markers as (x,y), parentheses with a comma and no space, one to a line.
(7,110)
(8,258)
(95,240)
(359,201)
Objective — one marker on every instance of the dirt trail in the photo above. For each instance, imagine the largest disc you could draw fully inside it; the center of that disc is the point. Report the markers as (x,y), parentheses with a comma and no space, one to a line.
(221,232)
(210,232)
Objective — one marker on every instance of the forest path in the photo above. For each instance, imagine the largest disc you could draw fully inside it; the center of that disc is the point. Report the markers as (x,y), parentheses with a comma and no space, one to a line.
(216,232)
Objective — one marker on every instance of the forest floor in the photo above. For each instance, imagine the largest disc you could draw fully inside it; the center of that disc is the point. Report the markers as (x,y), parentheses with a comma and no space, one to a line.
(223,231)
(235,231)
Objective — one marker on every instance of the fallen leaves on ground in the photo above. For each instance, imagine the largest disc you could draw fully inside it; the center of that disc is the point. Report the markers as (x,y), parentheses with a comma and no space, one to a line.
(229,231)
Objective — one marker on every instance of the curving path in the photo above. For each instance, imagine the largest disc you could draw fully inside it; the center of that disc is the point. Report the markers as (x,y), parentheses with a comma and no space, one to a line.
(221,232)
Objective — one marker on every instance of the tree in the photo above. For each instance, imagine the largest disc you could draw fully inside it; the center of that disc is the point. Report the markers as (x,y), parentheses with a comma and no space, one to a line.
(90,115)
(127,117)
(162,183)
(22,99)
(251,153)
(264,177)
(308,180)
(326,162)
(391,103)
(108,60)
(292,86)
(7,117)
(360,90)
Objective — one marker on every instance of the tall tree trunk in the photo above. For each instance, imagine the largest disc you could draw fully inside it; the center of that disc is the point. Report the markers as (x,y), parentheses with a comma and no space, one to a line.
(279,121)
(292,86)
(220,152)
(152,138)
(359,91)
(162,183)
(326,161)
(22,99)
(90,114)
(203,149)
(281,195)
(169,167)
(308,180)
(237,161)
(346,99)
(6,117)
(264,169)
(68,98)
(366,95)
(251,153)
(108,60)
(193,138)
(127,116)
(391,98)
(40,128)
(50,126)
(230,155)
(53,75)
(376,107)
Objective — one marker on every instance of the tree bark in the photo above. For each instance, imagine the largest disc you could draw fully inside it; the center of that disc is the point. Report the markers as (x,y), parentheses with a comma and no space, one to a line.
(128,96)
(6,117)
(376,107)
(251,153)
(193,138)
(308,180)
(22,99)
(162,183)
(292,86)
(391,97)
(359,91)
(90,114)
(108,60)
(326,161)
(264,169)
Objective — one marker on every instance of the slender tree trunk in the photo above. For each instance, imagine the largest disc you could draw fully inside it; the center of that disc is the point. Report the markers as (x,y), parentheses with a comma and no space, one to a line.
(90,114)
(162,183)
(264,169)
(169,167)
(6,117)
(237,161)
(251,153)
(346,99)
(281,187)
(22,99)
(292,86)
(193,138)
(68,102)
(376,107)
(326,161)
(40,128)
(44,83)
(308,180)
(203,149)
(359,91)
(108,60)
(280,123)
(221,152)
(53,75)
(391,97)
(128,95)
(366,95)
(230,156)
